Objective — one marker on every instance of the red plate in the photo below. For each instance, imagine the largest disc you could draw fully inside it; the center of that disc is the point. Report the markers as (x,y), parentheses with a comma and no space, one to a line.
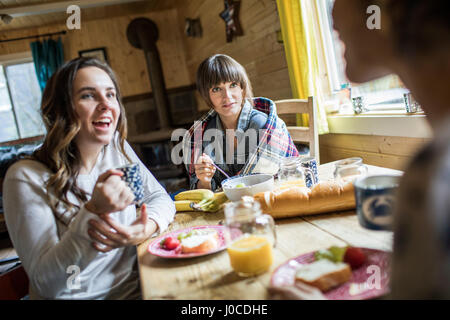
(369,281)
(155,247)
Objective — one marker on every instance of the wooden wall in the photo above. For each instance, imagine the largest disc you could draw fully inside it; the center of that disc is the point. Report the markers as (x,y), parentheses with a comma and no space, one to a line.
(128,62)
(385,151)
(257,50)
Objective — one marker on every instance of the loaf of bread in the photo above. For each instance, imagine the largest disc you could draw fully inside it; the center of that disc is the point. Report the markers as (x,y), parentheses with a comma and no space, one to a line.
(324,274)
(326,196)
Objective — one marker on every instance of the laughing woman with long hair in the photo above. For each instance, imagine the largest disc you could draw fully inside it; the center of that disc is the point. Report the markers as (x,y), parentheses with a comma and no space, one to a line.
(70,216)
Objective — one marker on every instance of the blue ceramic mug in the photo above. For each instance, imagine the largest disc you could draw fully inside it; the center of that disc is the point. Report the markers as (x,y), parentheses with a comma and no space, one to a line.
(132,177)
(375,197)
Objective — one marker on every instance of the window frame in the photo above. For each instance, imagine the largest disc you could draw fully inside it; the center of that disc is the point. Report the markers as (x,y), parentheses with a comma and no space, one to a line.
(11,60)
(330,54)
(332,64)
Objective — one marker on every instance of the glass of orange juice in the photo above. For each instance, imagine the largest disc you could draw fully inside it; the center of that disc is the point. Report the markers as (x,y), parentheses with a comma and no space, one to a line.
(250,237)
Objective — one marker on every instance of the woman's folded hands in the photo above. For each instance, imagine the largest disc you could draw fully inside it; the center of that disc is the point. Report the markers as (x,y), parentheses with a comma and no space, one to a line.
(109,234)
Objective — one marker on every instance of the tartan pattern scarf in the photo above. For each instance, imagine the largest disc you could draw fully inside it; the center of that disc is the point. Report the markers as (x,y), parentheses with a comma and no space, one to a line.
(274,144)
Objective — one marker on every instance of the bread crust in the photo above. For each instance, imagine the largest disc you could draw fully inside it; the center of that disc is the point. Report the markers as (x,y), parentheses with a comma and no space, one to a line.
(329,280)
(210,243)
(206,246)
(323,197)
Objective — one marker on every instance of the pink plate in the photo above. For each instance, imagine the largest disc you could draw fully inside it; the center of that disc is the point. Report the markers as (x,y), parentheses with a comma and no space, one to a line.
(369,281)
(155,248)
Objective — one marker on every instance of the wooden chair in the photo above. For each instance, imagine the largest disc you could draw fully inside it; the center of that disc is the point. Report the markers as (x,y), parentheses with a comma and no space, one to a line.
(302,134)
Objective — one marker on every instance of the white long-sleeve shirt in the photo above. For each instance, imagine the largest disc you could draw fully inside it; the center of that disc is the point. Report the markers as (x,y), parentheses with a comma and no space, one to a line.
(58,257)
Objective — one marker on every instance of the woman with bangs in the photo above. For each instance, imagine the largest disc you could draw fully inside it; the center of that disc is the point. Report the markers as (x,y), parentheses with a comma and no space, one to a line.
(71,218)
(240,134)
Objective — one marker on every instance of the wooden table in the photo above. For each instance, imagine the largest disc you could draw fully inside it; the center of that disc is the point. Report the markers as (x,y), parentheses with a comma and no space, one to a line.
(211,277)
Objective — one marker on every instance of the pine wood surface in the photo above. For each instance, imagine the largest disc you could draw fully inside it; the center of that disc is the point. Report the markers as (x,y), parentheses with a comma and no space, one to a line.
(211,276)
(386,151)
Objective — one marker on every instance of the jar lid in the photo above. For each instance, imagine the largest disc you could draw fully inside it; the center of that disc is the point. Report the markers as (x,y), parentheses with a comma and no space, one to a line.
(245,207)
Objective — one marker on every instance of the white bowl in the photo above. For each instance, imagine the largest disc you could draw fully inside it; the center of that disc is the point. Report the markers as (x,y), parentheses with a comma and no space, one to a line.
(254,183)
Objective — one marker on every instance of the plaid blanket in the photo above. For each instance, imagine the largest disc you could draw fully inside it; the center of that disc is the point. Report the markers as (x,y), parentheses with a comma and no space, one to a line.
(275,143)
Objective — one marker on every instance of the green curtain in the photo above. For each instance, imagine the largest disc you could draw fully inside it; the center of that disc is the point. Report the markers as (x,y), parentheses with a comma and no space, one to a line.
(48,56)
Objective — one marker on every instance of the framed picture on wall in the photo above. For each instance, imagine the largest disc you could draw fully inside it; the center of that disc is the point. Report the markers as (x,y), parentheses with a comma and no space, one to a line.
(99,53)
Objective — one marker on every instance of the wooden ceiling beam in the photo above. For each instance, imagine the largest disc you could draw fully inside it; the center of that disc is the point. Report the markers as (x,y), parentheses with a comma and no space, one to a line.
(59,7)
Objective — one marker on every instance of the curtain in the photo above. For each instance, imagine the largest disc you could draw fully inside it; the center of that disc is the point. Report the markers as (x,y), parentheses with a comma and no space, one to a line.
(48,56)
(300,27)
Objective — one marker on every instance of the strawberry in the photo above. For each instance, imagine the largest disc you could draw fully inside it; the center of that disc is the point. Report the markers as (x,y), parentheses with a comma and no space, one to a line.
(355,257)
(170,243)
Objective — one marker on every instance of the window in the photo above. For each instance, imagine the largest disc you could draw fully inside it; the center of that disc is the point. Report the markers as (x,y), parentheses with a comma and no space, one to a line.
(20,98)
(384,95)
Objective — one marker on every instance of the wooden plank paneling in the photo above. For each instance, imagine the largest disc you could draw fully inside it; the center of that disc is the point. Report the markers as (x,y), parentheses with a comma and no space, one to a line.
(386,151)
(47,12)
(402,146)
(389,161)
(128,62)
(257,50)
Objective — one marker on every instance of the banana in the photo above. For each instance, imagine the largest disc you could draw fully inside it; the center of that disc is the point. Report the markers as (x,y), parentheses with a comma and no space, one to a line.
(195,195)
(220,196)
(212,205)
(184,205)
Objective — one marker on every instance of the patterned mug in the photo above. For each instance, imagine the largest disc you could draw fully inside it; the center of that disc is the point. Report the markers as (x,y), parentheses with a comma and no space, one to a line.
(311,164)
(132,177)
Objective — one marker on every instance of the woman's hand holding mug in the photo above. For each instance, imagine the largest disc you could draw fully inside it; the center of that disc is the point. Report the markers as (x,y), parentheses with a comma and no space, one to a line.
(110,194)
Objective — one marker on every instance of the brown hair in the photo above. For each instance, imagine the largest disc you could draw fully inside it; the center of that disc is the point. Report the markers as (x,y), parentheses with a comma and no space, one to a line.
(420,27)
(222,68)
(417,28)
(59,151)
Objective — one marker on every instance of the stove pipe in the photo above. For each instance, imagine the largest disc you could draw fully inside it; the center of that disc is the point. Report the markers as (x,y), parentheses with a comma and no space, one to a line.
(142,33)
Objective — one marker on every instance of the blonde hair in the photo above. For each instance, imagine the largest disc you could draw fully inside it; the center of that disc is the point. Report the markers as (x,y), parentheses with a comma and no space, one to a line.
(222,68)
(59,151)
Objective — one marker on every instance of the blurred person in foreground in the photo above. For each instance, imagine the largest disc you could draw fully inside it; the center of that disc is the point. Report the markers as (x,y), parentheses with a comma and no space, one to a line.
(414,43)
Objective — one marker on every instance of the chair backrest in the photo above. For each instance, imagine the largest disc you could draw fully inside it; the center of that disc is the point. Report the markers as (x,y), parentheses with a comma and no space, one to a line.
(302,134)
(14,284)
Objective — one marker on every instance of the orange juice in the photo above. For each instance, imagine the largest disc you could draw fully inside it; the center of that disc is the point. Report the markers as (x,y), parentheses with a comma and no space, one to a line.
(250,255)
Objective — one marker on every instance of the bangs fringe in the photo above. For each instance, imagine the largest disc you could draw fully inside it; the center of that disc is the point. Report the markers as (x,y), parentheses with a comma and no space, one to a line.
(221,71)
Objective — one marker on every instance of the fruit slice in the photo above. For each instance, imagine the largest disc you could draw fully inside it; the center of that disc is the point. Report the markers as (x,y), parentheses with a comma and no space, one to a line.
(334,254)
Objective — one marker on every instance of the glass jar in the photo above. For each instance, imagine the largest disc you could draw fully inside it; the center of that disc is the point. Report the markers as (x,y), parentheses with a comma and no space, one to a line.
(347,170)
(292,173)
(250,237)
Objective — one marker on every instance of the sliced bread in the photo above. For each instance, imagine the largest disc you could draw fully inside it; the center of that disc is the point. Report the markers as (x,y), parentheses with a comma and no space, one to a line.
(201,241)
(324,274)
